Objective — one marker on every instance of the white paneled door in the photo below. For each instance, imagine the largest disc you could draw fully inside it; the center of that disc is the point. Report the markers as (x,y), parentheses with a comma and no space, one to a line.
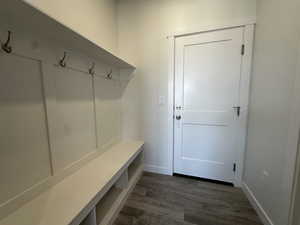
(207,78)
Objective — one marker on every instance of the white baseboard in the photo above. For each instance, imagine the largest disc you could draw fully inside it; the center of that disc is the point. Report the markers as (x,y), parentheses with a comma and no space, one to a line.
(157,169)
(256,205)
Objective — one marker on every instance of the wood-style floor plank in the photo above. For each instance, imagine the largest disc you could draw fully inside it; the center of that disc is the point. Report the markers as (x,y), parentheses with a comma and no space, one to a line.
(176,200)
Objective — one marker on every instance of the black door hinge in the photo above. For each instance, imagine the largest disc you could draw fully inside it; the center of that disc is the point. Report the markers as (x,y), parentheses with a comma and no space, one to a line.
(234,167)
(238,110)
(243,50)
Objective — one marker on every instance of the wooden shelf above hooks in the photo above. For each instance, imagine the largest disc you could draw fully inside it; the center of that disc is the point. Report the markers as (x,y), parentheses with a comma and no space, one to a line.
(21,16)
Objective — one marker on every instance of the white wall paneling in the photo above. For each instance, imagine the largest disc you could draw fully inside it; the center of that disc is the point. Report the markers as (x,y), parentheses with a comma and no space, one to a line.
(108,111)
(131,116)
(24,160)
(54,120)
(74,125)
(52,117)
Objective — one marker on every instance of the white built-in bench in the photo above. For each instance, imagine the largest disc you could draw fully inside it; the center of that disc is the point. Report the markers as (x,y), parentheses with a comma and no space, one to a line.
(93,195)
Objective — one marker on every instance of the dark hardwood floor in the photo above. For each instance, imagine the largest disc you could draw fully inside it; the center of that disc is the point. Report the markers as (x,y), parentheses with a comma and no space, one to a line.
(166,200)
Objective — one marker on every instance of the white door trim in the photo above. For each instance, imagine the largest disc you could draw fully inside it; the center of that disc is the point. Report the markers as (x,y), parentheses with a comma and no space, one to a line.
(212,27)
(293,156)
(295,183)
(245,83)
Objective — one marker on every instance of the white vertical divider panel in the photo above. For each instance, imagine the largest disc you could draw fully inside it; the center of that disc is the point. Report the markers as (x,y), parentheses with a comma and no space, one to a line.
(90,219)
(73,125)
(50,106)
(108,108)
(95,112)
(122,182)
(24,160)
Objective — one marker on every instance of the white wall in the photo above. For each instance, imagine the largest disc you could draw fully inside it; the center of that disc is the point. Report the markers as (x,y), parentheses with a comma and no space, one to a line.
(272,132)
(94,19)
(143,27)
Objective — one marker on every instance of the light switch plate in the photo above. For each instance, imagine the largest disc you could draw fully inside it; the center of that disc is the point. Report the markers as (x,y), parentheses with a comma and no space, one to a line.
(161,100)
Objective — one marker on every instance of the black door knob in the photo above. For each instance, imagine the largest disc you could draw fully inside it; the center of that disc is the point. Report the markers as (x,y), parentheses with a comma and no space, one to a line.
(178,117)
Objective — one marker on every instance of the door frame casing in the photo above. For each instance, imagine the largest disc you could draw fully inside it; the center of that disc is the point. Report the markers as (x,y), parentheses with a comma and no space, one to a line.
(246,69)
(293,172)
